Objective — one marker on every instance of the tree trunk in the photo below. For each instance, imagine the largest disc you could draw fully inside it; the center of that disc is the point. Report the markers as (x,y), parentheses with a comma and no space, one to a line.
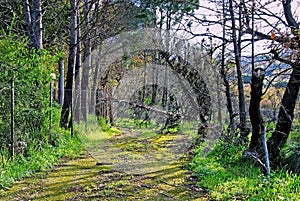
(28,23)
(237,53)
(258,125)
(219,97)
(71,68)
(37,23)
(78,77)
(87,64)
(33,22)
(95,81)
(289,99)
(254,111)
(231,127)
(285,116)
(154,81)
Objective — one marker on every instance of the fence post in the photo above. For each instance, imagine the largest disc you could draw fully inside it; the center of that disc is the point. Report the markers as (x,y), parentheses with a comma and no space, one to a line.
(53,77)
(12,118)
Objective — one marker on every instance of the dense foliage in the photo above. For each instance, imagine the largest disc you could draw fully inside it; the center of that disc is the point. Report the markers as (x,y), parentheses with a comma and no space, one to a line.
(37,147)
(31,73)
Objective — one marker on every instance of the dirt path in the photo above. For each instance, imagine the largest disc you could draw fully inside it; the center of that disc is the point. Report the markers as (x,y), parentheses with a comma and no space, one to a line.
(125,167)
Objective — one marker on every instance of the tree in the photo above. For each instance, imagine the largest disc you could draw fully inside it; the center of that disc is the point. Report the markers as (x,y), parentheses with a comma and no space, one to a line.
(289,99)
(224,73)
(280,46)
(33,21)
(85,81)
(236,39)
(283,47)
(67,105)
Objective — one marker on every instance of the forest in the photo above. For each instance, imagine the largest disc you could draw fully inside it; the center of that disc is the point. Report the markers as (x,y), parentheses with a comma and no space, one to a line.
(149,100)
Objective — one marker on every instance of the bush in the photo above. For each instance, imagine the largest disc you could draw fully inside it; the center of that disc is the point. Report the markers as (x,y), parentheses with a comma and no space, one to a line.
(31,73)
(42,147)
(228,176)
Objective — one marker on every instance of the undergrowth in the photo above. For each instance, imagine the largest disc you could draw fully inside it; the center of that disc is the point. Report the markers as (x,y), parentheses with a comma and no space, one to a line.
(291,152)
(39,157)
(228,176)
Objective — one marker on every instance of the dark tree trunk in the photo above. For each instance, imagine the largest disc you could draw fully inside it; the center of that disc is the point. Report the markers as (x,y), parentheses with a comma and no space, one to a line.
(154,86)
(285,116)
(28,23)
(257,122)
(254,110)
(37,23)
(289,99)
(231,127)
(61,80)
(71,68)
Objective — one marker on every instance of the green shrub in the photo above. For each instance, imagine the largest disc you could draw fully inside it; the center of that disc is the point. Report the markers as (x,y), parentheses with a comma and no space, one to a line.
(31,73)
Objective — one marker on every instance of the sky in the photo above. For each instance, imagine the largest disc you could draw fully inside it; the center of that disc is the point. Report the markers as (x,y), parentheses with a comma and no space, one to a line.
(274,7)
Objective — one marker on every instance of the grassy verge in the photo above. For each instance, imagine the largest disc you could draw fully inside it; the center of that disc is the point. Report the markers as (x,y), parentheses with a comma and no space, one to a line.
(39,157)
(227,176)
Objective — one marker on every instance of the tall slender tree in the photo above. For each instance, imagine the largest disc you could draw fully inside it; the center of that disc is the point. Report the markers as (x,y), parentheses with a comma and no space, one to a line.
(224,74)
(236,39)
(85,81)
(68,99)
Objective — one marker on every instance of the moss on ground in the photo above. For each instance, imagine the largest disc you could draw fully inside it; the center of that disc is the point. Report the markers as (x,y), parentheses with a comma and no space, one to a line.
(126,166)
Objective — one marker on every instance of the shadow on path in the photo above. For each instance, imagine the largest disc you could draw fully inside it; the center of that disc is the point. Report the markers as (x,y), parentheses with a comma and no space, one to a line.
(125,167)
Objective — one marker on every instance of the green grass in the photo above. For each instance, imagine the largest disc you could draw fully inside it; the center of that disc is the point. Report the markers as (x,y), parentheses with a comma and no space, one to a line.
(39,157)
(95,132)
(228,176)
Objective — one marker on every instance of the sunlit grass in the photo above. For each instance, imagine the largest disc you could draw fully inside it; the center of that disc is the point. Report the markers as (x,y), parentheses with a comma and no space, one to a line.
(228,176)
(96,131)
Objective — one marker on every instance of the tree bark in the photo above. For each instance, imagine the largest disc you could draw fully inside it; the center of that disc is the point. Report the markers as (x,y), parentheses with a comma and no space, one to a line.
(289,99)
(78,76)
(33,23)
(254,111)
(237,54)
(257,122)
(28,23)
(61,80)
(37,23)
(95,81)
(231,127)
(285,116)
(85,81)
(71,68)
